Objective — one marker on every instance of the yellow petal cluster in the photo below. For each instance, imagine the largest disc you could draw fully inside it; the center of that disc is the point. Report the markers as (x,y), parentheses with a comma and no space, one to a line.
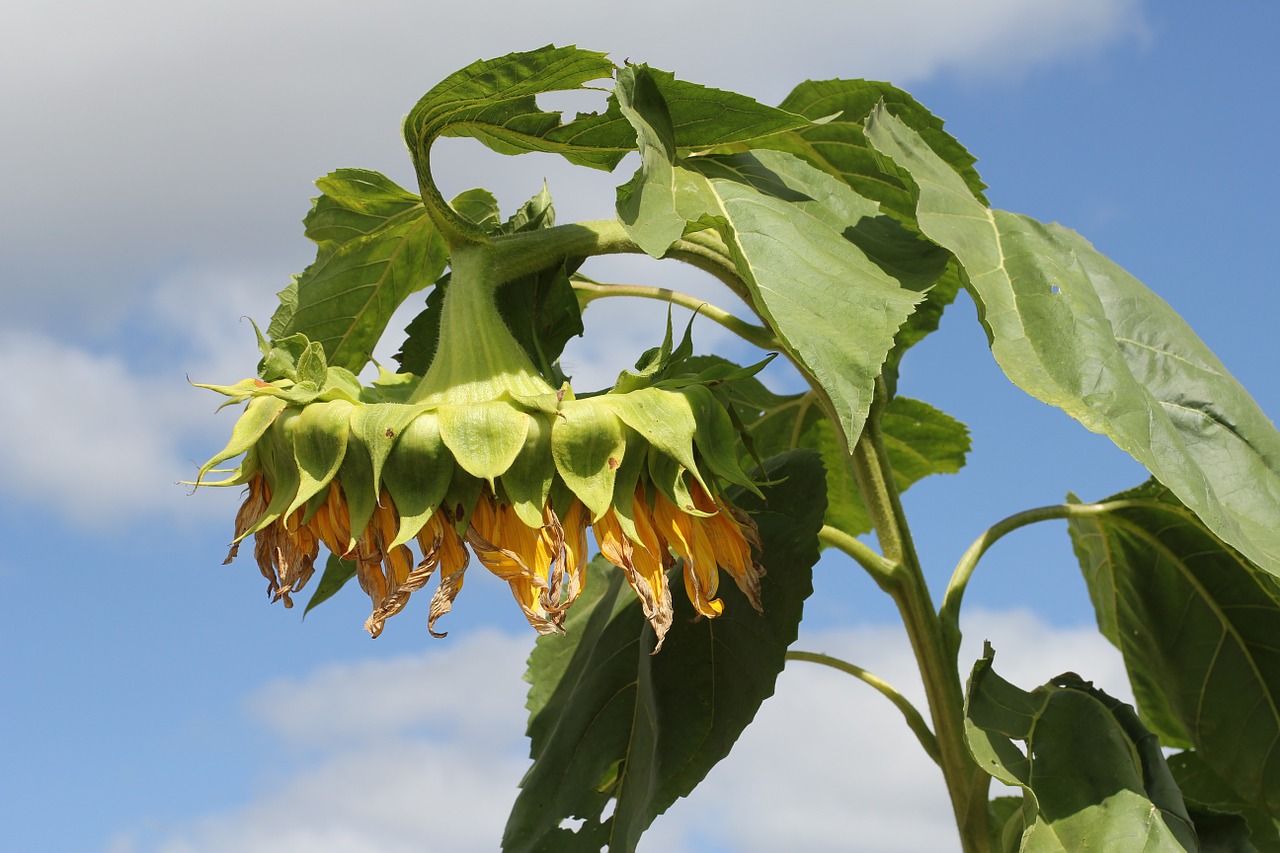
(545,566)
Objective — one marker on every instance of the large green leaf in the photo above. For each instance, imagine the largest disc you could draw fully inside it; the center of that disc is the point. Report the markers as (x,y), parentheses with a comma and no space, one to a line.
(376,246)
(836,144)
(1092,777)
(610,721)
(834,306)
(1197,624)
(1071,328)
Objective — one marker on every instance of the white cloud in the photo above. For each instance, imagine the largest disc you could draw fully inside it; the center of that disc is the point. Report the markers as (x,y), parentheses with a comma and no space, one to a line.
(99,438)
(426,752)
(146,134)
(81,434)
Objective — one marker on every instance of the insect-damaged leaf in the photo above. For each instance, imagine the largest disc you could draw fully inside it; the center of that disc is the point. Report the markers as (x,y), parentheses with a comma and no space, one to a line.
(1091,775)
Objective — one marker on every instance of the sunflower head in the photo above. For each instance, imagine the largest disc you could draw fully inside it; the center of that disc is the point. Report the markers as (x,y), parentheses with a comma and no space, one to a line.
(500,467)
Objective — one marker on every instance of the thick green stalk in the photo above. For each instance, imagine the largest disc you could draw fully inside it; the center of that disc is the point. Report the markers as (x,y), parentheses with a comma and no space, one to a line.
(966,782)
(477,358)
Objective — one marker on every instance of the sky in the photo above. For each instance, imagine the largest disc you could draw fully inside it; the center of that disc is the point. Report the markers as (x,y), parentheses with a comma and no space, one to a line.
(156,159)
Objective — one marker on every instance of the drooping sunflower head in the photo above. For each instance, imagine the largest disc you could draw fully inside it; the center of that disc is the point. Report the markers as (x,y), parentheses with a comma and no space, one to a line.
(515,480)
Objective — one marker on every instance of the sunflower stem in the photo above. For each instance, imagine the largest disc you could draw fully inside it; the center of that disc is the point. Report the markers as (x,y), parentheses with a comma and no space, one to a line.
(966,782)
(477,357)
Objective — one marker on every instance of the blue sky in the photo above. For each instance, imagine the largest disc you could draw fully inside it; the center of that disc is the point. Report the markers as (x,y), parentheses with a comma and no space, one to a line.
(156,160)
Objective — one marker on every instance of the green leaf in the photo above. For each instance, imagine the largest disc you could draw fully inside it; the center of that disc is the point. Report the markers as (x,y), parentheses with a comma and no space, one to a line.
(648,204)
(337,572)
(1074,330)
(376,246)
(355,203)
(478,206)
(834,307)
(1197,625)
(609,721)
(542,312)
(494,101)
(1207,795)
(1092,776)
(836,143)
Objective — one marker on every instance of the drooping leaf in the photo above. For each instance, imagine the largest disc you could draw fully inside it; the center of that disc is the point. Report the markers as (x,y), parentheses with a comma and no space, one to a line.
(648,204)
(610,721)
(1074,330)
(836,144)
(1197,625)
(1208,795)
(355,203)
(337,572)
(376,246)
(1092,776)
(494,101)
(835,306)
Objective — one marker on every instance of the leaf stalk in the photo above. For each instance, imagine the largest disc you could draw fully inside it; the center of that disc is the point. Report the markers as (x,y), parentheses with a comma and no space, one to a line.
(589,291)
(915,721)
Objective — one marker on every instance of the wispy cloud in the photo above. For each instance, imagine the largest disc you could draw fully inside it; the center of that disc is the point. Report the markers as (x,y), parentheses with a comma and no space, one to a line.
(426,752)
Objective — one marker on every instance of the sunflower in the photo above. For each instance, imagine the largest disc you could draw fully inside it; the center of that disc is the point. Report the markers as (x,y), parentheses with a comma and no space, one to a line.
(481,456)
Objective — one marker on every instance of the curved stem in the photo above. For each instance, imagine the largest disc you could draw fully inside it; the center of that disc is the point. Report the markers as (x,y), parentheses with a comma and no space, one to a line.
(881,570)
(949,614)
(589,291)
(913,717)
